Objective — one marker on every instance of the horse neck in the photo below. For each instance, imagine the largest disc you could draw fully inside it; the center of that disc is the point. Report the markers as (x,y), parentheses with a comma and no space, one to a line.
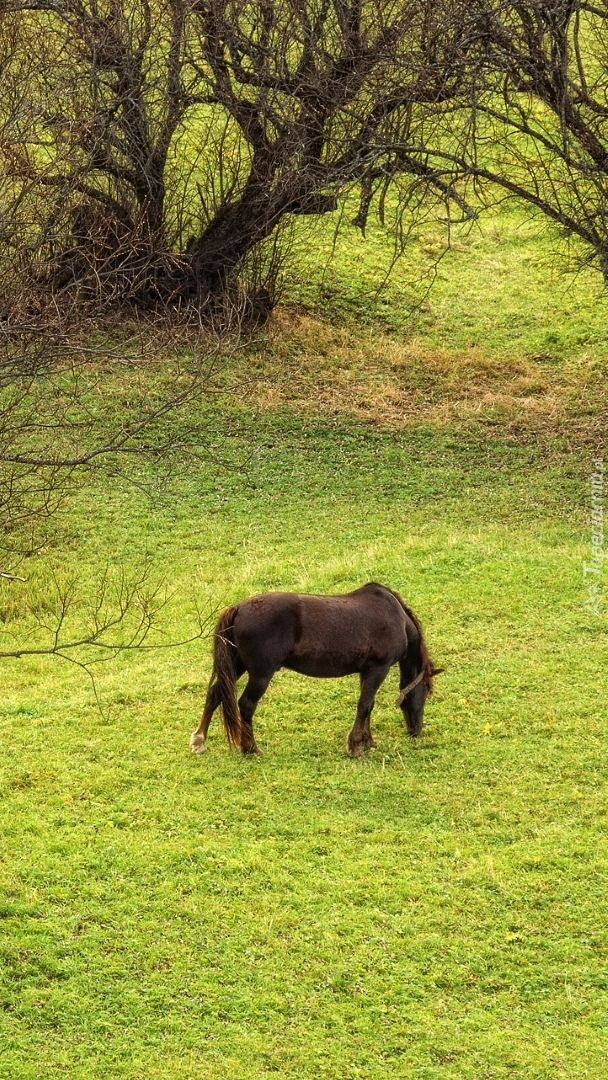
(417,656)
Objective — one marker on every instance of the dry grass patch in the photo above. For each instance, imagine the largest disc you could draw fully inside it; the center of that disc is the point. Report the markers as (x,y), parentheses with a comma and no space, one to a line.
(306,363)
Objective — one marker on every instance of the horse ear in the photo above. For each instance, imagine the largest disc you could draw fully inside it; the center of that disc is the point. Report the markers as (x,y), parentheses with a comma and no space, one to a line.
(437,671)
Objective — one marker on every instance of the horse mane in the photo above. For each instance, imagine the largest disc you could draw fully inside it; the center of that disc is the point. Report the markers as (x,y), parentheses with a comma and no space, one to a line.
(426,662)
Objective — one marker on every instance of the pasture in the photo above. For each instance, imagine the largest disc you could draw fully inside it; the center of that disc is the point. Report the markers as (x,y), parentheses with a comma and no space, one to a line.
(436,910)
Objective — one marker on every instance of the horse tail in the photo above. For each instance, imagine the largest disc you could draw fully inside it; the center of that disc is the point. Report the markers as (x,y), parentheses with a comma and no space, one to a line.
(224,671)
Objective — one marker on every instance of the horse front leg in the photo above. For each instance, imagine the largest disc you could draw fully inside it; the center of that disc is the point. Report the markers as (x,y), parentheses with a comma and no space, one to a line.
(360,735)
(248,701)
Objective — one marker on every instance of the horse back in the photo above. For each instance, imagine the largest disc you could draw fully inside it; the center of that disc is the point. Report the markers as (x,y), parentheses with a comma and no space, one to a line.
(323,636)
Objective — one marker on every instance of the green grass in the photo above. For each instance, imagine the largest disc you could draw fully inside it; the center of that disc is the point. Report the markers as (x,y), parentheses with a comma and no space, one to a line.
(436,911)
(505,286)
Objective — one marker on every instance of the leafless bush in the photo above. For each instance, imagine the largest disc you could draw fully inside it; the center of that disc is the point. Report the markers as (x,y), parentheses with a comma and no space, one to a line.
(70,403)
(87,627)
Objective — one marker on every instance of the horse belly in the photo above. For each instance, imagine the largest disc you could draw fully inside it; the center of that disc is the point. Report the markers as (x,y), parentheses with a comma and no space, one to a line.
(332,649)
(324,667)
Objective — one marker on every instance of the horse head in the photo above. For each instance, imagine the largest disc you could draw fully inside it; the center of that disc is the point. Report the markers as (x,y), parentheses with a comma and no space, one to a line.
(412,698)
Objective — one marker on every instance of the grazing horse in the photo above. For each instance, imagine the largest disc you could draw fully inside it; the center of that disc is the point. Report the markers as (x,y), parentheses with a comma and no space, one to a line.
(363,632)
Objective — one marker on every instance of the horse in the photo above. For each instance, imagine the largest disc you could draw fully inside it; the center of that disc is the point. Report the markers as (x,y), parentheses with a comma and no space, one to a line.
(363,632)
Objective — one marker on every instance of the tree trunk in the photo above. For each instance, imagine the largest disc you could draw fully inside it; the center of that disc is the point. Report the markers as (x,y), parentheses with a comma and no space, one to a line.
(234,231)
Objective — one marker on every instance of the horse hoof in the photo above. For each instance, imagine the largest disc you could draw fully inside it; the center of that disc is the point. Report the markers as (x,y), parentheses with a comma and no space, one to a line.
(355,751)
(198,744)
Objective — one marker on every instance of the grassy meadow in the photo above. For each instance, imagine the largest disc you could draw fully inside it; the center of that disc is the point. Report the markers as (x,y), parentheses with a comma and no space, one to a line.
(437,910)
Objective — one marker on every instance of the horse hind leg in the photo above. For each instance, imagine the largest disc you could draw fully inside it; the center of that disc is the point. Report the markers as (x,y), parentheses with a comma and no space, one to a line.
(198,739)
(360,735)
(248,701)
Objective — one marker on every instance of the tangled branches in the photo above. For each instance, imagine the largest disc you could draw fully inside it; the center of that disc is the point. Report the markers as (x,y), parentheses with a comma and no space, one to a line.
(152,153)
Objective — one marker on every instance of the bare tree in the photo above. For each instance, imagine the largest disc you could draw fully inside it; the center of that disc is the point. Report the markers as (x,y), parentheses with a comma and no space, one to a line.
(532,121)
(159,147)
(558,56)
(154,152)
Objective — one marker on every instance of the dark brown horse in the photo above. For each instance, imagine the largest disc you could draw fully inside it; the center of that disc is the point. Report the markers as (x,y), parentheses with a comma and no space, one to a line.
(364,632)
